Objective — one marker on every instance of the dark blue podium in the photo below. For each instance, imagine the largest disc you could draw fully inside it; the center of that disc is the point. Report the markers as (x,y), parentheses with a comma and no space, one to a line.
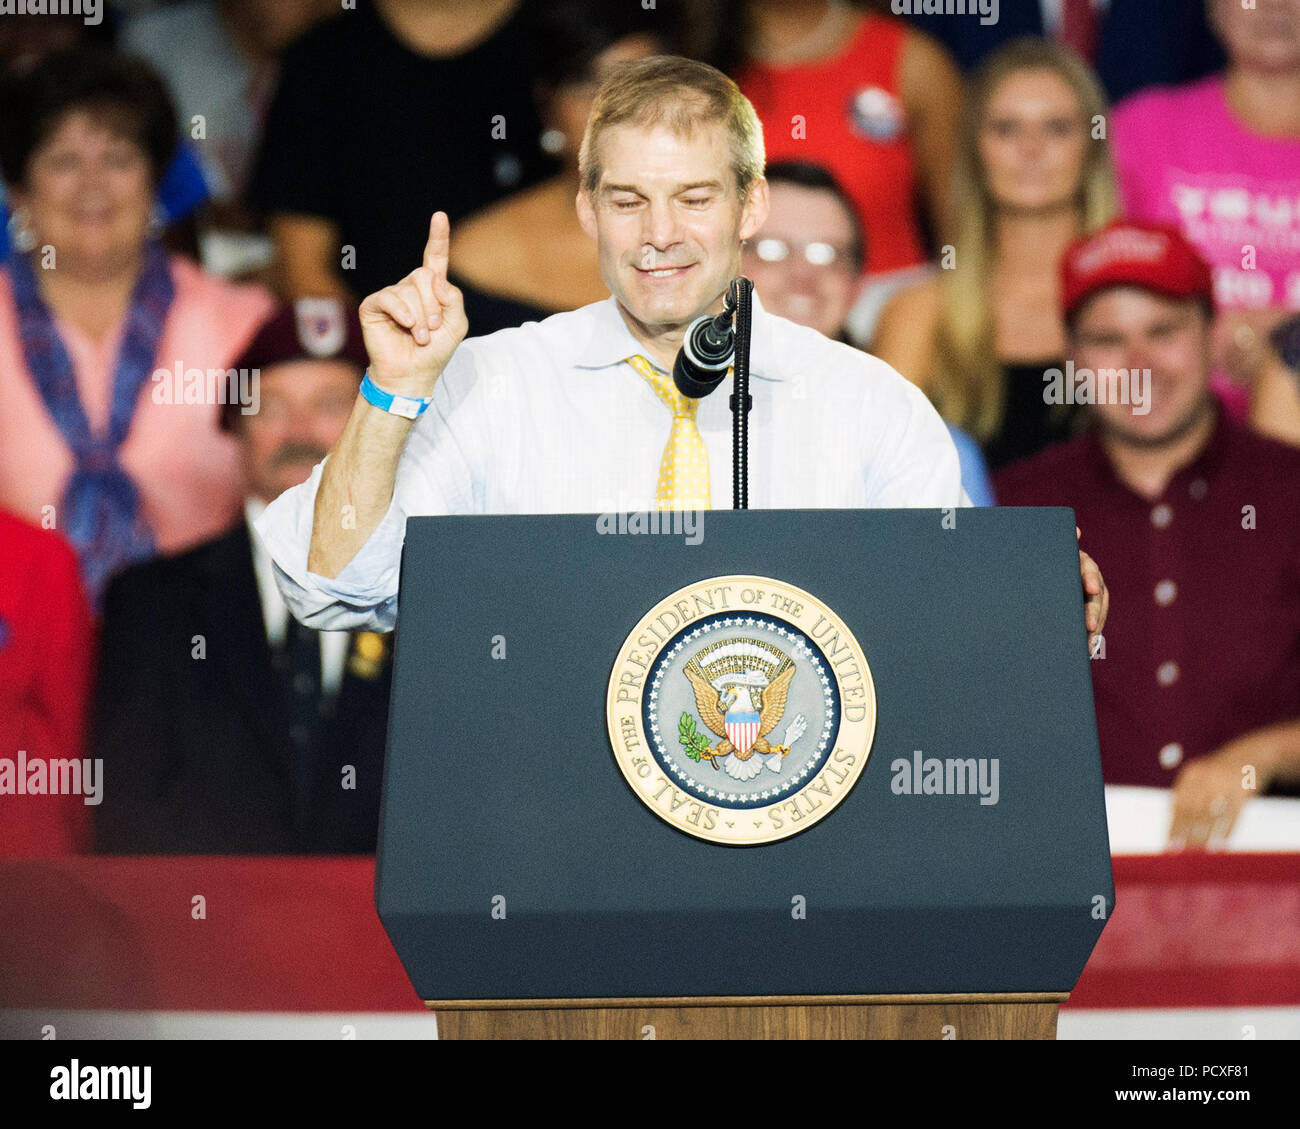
(529,891)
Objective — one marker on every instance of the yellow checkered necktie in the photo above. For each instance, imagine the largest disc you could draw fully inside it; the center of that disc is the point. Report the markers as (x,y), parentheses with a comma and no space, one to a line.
(684,469)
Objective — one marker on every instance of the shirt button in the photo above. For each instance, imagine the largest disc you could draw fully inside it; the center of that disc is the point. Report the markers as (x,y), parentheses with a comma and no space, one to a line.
(1171,755)
(1161,516)
(1166,590)
(1198,488)
(1167,675)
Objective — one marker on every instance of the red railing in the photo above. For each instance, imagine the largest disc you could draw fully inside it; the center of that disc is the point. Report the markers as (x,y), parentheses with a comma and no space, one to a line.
(301,935)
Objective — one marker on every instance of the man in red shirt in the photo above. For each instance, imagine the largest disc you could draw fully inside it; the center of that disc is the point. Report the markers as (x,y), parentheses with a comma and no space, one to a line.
(1197,679)
(46,647)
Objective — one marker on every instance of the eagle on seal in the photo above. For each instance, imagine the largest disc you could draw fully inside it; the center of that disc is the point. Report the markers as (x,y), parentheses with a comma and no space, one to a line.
(767,702)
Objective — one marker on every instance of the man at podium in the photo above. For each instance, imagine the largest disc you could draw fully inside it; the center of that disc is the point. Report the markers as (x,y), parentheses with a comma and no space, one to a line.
(579,413)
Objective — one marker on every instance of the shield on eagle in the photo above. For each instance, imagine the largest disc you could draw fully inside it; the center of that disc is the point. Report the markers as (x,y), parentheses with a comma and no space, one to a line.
(742,729)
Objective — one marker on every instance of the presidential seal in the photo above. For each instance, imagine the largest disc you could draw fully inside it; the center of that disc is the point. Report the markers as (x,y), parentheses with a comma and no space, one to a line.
(741,710)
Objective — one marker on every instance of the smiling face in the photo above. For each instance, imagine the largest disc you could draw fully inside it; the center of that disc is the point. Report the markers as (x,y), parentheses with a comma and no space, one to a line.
(1033,142)
(802,259)
(668,223)
(88,193)
(1130,328)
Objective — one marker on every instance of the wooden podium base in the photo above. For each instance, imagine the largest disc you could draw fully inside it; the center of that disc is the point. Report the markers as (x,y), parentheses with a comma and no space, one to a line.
(1022,1016)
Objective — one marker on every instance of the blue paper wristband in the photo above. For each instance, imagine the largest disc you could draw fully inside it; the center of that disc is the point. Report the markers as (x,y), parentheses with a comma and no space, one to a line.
(409,407)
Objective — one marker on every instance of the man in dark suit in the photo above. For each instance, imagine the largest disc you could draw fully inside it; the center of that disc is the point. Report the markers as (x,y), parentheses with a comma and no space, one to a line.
(223,725)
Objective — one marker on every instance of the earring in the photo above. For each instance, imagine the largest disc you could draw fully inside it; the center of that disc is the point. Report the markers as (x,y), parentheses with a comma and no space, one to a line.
(553,141)
(21,236)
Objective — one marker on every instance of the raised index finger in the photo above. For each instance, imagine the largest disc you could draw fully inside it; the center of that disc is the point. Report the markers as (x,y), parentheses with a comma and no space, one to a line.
(438,247)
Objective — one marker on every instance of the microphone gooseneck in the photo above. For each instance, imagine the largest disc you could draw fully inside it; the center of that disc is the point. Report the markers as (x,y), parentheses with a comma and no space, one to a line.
(714,343)
(742,290)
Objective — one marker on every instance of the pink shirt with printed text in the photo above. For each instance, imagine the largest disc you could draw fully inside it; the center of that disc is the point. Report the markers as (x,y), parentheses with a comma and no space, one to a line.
(1185,159)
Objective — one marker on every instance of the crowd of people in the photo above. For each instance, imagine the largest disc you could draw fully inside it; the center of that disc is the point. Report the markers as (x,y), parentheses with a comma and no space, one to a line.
(208,188)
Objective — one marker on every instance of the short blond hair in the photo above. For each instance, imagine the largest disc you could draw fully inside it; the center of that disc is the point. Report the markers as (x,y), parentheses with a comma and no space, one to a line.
(681,94)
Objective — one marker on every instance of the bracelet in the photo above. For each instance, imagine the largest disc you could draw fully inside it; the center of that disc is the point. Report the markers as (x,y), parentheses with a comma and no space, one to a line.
(408,407)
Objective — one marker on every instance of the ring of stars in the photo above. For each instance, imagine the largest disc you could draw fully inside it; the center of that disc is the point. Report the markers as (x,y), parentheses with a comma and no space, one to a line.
(799,647)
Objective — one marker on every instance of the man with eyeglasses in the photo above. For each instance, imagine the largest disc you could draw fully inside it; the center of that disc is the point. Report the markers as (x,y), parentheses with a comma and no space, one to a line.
(806,261)
(807,257)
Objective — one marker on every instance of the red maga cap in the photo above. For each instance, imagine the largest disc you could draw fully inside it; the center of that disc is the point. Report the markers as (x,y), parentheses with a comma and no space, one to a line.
(1151,256)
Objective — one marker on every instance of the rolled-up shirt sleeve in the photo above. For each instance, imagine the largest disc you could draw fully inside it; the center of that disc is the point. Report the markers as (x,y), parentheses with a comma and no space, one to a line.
(363,595)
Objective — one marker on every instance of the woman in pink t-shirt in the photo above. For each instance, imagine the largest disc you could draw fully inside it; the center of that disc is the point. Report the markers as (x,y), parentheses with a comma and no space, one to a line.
(1220,158)
(99,436)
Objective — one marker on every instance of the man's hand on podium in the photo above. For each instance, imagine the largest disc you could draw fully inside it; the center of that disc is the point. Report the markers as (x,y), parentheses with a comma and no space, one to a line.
(1096,600)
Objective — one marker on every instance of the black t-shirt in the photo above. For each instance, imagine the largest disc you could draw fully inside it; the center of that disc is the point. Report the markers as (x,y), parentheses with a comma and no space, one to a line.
(366,133)
(1029,423)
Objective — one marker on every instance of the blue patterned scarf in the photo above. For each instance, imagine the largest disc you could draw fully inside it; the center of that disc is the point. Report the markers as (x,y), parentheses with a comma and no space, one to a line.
(100,511)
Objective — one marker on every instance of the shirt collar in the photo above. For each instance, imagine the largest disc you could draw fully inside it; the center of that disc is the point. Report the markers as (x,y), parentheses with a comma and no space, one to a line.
(275,612)
(611,341)
(1205,465)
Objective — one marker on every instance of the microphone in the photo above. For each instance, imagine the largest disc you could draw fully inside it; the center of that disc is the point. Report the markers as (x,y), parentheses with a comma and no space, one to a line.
(712,345)
(706,352)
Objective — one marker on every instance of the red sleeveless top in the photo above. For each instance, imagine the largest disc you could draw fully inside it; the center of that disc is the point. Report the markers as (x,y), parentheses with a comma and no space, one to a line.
(846,114)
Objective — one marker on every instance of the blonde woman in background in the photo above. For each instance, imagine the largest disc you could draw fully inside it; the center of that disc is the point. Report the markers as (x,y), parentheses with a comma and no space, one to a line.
(1033,172)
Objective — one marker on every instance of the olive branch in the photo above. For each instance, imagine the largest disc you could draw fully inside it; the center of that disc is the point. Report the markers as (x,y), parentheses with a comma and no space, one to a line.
(692,740)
